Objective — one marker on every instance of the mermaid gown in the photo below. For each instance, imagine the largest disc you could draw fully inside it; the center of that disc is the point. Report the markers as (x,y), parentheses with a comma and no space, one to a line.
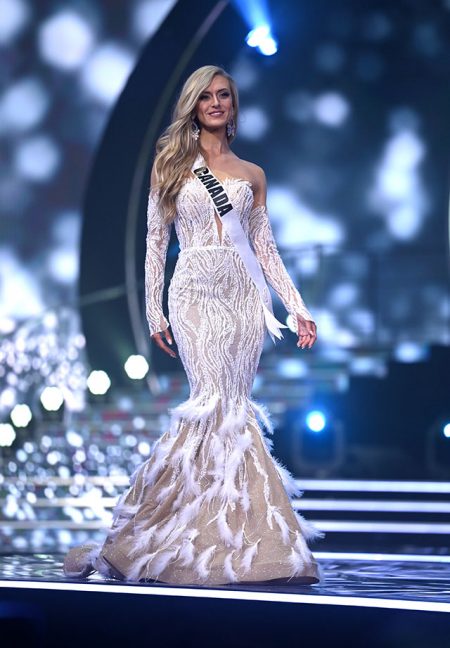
(211,504)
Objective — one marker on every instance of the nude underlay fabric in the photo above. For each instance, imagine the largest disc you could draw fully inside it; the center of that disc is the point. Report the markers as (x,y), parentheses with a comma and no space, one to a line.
(211,505)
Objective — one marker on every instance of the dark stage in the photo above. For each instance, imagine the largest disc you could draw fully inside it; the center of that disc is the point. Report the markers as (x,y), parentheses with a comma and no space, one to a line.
(370,600)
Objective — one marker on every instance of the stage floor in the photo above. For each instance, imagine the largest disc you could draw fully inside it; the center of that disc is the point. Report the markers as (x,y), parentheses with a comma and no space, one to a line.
(410,582)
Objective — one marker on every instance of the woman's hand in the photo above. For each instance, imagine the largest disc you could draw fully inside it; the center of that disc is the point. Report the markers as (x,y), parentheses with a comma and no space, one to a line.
(307,332)
(157,337)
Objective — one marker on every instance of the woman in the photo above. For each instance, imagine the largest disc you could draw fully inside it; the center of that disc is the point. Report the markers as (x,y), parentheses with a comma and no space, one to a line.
(210,505)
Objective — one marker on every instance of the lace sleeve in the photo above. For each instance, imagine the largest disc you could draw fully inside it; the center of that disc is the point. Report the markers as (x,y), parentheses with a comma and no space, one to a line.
(262,239)
(158,235)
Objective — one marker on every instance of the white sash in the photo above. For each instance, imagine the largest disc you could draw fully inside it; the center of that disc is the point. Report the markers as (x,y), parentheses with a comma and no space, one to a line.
(232,226)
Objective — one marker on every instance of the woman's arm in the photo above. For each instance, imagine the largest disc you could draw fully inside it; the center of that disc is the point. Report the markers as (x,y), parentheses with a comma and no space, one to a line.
(158,235)
(262,239)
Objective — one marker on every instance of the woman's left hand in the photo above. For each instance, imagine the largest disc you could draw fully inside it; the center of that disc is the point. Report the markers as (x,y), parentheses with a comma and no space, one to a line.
(307,332)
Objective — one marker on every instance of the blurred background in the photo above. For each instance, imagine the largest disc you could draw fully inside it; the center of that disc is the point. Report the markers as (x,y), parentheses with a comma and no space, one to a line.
(346,108)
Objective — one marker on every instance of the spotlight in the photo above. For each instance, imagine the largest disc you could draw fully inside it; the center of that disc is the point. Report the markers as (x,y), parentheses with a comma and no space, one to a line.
(98,382)
(21,415)
(316,421)
(313,442)
(7,435)
(438,447)
(262,39)
(52,399)
(136,367)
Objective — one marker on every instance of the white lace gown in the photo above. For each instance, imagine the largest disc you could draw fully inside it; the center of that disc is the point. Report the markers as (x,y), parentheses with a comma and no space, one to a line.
(211,505)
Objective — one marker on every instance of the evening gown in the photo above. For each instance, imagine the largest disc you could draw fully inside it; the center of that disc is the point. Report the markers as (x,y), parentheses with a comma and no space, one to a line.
(211,505)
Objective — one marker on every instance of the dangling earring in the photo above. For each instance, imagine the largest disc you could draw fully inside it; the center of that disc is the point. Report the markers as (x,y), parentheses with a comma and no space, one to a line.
(231,129)
(195,130)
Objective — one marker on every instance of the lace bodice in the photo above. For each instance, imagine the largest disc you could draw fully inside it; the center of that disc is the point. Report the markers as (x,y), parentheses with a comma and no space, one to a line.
(196,226)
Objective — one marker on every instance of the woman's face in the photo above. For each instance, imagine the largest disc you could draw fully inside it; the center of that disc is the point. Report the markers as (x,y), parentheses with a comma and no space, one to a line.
(215,104)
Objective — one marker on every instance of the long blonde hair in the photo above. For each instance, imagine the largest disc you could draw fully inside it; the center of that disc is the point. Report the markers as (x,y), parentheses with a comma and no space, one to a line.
(176,149)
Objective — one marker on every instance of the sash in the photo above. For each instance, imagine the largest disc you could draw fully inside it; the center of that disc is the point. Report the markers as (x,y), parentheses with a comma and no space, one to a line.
(231,224)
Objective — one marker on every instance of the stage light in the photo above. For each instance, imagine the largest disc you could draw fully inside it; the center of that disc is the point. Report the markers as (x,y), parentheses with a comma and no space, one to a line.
(438,447)
(7,435)
(136,367)
(254,123)
(107,71)
(312,442)
(65,40)
(21,415)
(261,38)
(316,421)
(15,14)
(52,399)
(331,109)
(37,158)
(23,105)
(98,382)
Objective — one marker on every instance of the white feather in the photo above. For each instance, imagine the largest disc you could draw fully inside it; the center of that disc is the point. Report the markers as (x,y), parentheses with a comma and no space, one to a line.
(264,414)
(134,572)
(228,568)
(160,562)
(190,510)
(249,555)
(162,533)
(164,492)
(284,528)
(296,563)
(202,562)
(212,491)
(233,421)
(193,409)
(302,548)
(238,538)
(225,531)
(245,500)
(142,540)
(309,531)
(187,554)
(269,515)
(288,480)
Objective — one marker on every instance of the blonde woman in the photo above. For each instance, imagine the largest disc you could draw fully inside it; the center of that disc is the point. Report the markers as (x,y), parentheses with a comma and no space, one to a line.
(211,505)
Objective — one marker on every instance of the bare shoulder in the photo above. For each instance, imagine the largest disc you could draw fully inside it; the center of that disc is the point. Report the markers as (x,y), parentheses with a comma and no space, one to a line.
(254,173)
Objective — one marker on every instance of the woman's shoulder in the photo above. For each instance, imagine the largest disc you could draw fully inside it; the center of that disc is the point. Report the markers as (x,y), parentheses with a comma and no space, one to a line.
(254,173)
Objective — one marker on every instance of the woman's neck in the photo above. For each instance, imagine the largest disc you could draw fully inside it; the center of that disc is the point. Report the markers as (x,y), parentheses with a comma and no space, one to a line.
(213,145)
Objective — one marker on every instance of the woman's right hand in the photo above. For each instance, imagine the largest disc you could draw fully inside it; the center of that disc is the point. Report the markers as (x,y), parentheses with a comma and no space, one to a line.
(157,337)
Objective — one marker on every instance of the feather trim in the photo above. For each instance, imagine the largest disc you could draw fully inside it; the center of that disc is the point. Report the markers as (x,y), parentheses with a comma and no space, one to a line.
(160,562)
(225,531)
(289,483)
(284,528)
(202,562)
(228,568)
(142,540)
(249,555)
(296,563)
(194,409)
(309,531)
(233,421)
(245,499)
(264,414)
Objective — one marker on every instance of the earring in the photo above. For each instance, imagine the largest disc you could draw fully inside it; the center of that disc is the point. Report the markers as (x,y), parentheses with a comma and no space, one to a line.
(231,129)
(195,130)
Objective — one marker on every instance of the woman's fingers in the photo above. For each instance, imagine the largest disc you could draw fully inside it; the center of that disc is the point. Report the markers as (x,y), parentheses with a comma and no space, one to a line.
(157,337)
(307,333)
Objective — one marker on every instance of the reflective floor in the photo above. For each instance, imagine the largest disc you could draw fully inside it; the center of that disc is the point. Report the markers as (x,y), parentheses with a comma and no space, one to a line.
(422,578)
